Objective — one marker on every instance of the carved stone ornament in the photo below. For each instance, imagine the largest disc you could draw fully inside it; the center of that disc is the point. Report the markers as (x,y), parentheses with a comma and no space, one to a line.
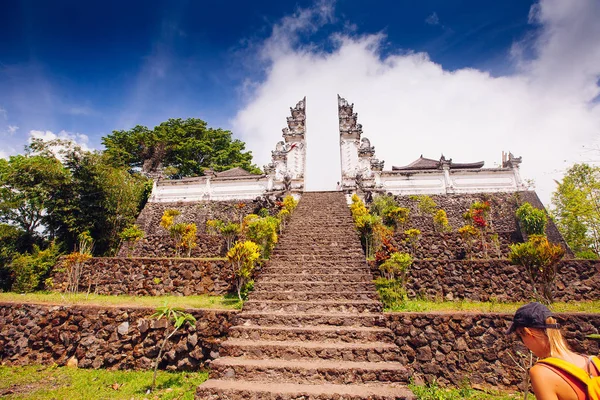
(377,165)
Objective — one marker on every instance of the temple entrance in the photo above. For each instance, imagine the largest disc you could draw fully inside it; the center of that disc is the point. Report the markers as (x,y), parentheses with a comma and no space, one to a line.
(322,143)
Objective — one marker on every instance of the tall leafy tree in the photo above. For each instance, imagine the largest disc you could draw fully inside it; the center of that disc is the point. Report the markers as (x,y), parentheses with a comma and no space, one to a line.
(187,145)
(103,199)
(576,208)
(28,185)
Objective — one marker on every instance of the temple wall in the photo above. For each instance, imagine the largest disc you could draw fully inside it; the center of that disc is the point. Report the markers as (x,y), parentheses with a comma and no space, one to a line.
(204,189)
(448,182)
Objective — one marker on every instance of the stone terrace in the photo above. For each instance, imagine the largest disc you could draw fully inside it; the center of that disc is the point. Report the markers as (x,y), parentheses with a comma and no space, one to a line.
(313,328)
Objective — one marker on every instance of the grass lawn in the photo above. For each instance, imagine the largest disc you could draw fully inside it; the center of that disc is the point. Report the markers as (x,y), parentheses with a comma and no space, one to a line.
(45,383)
(434,392)
(200,301)
(41,382)
(485,306)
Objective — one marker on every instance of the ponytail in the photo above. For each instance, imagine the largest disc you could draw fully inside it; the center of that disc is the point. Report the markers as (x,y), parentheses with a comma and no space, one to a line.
(557,343)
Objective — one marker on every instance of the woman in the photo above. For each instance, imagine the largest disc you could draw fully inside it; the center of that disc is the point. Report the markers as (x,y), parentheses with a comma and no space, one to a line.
(540,333)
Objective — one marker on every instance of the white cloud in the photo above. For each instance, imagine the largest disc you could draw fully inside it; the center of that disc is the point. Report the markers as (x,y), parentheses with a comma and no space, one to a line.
(4,154)
(78,139)
(12,129)
(433,19)
(408,105)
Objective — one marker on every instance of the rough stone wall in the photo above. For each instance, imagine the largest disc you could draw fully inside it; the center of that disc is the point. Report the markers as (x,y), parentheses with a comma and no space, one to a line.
(485,280)
(503,206)
(157,242)
(450,246)
(151,276)
(113,338)
(452,348)
(164,246)
(502,218)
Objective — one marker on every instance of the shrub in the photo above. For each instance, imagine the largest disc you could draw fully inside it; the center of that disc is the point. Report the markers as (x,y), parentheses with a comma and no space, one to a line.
(385,250)
(440,221)
(396,267)
(587,255)
(539,259)
(391,293)
(168,218)
(478,215)
(230,232)
(290,203)
(131,236)
(358,208)
(412,238)
(31,270)
(263,212)
(468,233)
(188,238)
(263,231)
(243,257)
(366,226)
(533,220)
(75,262)
(425,204)
(178,317)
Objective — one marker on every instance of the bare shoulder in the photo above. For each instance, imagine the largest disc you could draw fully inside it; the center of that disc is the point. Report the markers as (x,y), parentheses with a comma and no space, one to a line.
(542,372)
(545,382)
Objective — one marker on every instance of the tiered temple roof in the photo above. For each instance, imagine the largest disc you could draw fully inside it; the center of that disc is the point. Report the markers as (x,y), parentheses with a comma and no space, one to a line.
(423,164)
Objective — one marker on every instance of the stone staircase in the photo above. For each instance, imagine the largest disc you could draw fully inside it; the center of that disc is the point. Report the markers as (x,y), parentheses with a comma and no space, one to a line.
(313,328)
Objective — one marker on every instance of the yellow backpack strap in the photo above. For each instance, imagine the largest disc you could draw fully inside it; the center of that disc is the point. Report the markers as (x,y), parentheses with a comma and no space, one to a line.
(596,362)
(569,368)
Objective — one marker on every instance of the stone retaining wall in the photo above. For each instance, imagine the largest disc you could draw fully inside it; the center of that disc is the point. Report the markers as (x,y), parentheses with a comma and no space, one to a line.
(162,245)
(449,348)
(502,217)
(454,348)
(450,246)
(151,276)
(157,242)
(106,337)
(485,280)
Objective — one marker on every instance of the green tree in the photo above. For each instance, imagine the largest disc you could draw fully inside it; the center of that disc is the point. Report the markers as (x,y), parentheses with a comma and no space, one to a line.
(576,208)
(29,184)
(187,145)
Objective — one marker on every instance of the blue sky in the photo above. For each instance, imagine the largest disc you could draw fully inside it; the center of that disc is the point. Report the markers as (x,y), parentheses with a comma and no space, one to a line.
(92,67)
(466,78)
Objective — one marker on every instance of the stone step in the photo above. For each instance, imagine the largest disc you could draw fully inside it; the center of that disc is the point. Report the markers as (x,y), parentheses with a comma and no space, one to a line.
(302,269)
(314,254)
(307,256)
(305,319)
(311,371)
(307,286)
(313,333)
(307,350)
(320,306)
(312,296)
(215,389)
(326,264)
(347,278)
